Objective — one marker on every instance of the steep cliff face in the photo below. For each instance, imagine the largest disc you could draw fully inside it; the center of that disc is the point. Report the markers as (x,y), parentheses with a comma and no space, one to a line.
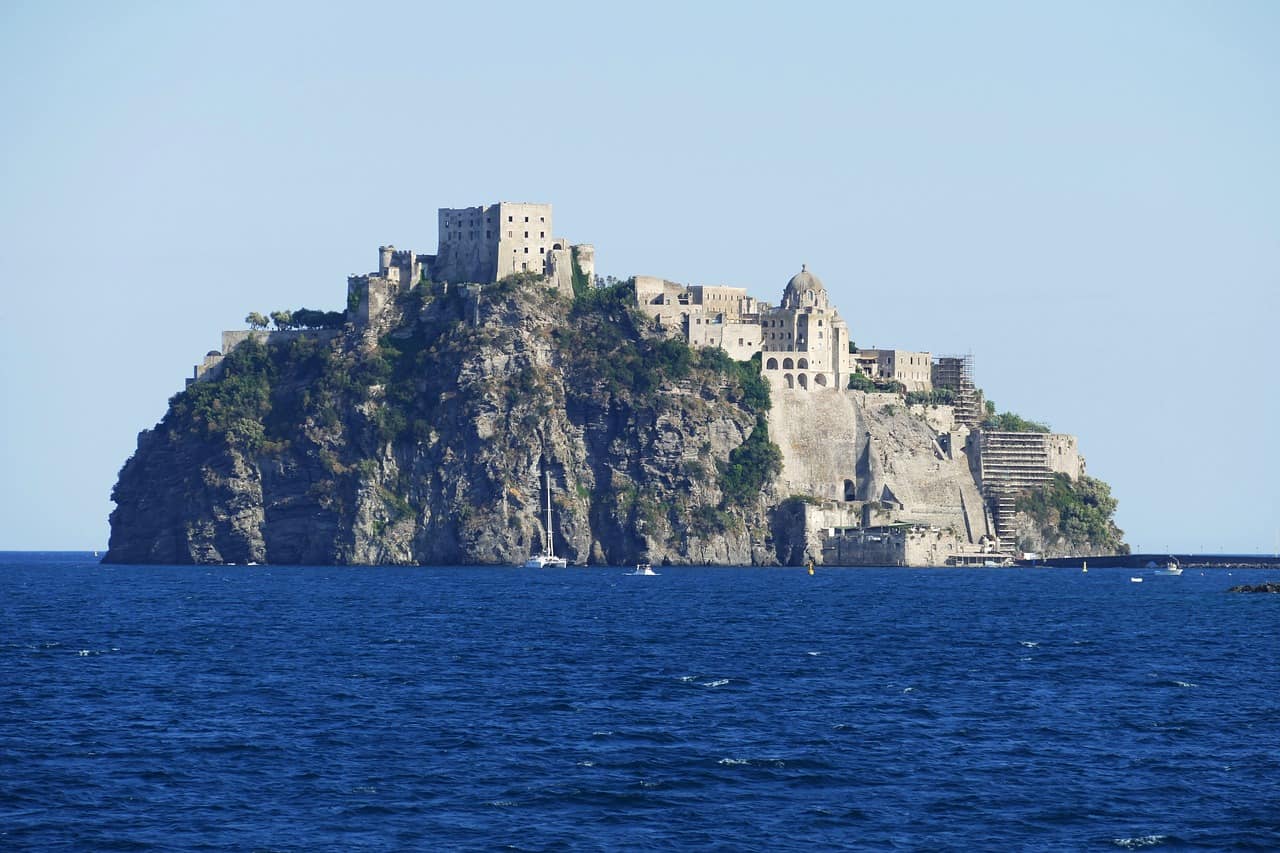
(426,443)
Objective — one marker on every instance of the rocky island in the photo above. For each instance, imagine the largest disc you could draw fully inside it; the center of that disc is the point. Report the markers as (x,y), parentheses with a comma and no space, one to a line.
(678,424)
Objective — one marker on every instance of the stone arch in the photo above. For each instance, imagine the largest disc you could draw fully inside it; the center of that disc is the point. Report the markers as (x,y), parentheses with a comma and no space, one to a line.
(820,380)
(788,364)
(789,379)
(771,364)
(803,379)
(557,246)
(850,491)
(803,364)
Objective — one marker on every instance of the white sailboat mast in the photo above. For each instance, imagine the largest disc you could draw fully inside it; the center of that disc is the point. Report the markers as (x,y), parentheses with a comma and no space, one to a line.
(551,549)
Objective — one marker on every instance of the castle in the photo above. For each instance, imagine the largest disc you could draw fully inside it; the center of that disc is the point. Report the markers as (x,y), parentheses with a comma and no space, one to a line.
(929,489)
(804,343)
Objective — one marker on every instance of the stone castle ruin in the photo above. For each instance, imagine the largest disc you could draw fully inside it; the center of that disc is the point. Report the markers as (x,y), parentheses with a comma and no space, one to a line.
(878,482)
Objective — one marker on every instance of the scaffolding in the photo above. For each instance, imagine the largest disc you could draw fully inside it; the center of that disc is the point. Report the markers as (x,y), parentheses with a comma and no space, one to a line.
(955,373)
(1009,464)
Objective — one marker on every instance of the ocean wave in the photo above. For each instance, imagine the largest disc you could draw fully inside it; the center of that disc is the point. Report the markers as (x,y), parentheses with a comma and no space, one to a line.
(1139,842)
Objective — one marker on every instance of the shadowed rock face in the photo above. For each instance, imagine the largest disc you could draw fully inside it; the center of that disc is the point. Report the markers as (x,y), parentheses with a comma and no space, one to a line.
(429,446)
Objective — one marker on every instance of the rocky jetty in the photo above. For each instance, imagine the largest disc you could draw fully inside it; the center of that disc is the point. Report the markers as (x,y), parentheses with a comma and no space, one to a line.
(424,441)
(1270,586)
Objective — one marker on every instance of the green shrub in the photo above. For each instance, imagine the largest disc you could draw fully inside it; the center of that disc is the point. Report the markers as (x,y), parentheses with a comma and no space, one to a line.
(1081,511)
(936,397)
(751,465)
(581,282)
(1009,422)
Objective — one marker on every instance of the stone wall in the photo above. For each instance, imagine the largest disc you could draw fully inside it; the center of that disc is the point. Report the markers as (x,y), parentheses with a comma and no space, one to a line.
(525,235)
(1062,452)
(819,435)
(468,244)
(211,366)
(895,546)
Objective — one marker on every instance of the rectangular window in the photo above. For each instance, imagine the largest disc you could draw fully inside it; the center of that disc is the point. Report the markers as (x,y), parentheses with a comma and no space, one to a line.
(542,235)
(526,219)
(526,250)
(511,233)
(541,251)
(509,219)
(526,235)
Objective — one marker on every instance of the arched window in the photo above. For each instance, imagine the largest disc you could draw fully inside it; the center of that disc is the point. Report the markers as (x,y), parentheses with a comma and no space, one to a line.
(791,383)
(771,364)
(804,381)
(849,492)
(820,380)
(788,364)
(803,364)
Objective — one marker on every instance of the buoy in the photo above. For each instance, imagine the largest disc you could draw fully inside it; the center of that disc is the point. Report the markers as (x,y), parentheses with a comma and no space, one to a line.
(1085,565)
(811,567)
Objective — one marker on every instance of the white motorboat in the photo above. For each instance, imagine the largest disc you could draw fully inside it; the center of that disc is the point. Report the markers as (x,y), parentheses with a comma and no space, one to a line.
(547,559)
(644,568)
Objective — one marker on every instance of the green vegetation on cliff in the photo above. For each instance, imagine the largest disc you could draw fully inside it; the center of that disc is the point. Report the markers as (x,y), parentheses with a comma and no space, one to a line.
(1009,422)
(863,382)
(427,443)
(1079,512)
(751,465)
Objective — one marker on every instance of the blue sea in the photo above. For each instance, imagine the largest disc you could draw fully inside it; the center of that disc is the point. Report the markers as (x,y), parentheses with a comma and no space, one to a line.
(321,708)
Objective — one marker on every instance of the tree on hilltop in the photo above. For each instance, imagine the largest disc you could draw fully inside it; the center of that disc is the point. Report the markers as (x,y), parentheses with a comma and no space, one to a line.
(282,319)
(256,321)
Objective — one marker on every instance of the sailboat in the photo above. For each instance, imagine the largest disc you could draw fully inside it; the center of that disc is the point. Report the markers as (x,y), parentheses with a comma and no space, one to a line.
(547,559)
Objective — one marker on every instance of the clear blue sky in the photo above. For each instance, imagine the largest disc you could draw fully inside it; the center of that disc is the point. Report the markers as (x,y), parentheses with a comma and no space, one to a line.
(1086,196)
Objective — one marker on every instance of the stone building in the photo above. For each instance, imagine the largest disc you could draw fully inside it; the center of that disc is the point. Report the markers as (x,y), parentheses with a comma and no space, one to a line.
(489,242)
(705,315)
(913,369)
(805,343)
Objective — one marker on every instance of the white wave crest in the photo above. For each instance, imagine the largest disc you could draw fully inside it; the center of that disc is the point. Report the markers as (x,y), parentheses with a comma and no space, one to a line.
(1139,842)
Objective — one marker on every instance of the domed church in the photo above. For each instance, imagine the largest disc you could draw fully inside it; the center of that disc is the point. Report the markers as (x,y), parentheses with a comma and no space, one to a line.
(806,344)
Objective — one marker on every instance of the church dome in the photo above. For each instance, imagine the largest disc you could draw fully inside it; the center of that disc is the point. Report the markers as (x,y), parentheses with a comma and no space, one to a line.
(802,283)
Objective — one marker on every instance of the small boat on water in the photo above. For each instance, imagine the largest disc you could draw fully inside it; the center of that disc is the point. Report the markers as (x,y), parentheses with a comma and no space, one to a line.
(1135,580)
(1171,568)
(645,568)
(547,559)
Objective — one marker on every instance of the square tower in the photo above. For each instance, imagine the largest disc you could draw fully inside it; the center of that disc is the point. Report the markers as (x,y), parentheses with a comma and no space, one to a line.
(487,243)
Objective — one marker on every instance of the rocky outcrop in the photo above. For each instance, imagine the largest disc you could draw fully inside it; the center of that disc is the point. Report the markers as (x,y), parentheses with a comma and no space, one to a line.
(428,444)
(1269,586)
